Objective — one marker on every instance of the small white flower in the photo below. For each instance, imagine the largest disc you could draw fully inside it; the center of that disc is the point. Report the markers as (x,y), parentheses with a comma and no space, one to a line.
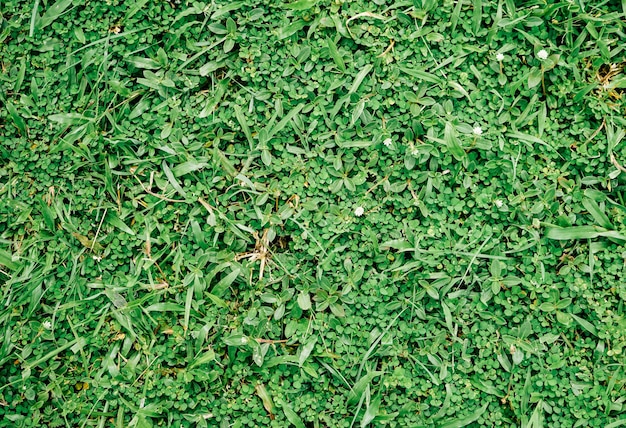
(477,130)
(499,57)
(542,54)
(498,203)
(47,325)
(359,211)
(387,142)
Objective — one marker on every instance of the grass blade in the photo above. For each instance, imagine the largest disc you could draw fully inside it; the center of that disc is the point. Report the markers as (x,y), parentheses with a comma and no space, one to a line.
(17,119)
(466,420)
(598,214)
(52,13)
(7,260)
(172,179)
(291,415)
(359,388)
(359,78)
(335,55)
(244,125)
(581,232)
(421,74)
(33,19)
(585,324)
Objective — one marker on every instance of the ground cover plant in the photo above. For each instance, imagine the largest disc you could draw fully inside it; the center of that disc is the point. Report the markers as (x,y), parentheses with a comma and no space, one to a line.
(318,213)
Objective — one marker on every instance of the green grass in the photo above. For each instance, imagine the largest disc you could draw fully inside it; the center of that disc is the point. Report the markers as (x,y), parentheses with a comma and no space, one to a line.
(316,213)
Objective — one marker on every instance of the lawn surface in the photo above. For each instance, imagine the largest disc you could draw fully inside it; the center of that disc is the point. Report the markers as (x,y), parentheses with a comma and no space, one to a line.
(321,213)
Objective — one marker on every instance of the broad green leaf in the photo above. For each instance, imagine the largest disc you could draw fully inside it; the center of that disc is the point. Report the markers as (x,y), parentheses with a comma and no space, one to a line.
(336,186)
(355,144)
(337,309)
(534,77)
(411,96)
(452,142)
(165,307)
(397,244)
(144,63)
(266,157)
(291,29)
(210,67)
(257,352)
(187,167)
(304,301)
(69,118)
(300,5)
(229,44)
(236,339)
(231,27)
(167,130)
(265,397)
(459,88)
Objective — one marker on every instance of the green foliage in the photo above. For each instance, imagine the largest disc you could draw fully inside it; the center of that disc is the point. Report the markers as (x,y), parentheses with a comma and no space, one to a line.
(312,213)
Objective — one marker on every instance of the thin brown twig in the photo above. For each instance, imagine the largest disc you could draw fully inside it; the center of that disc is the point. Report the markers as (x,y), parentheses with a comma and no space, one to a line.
(389,48)
(270,341)
(597,131)
(616,164)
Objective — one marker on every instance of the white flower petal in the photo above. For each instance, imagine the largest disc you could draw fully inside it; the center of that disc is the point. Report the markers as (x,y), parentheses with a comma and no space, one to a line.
(359,211)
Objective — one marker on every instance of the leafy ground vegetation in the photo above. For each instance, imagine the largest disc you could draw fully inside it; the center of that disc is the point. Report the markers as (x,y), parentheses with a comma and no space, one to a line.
(319,213)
